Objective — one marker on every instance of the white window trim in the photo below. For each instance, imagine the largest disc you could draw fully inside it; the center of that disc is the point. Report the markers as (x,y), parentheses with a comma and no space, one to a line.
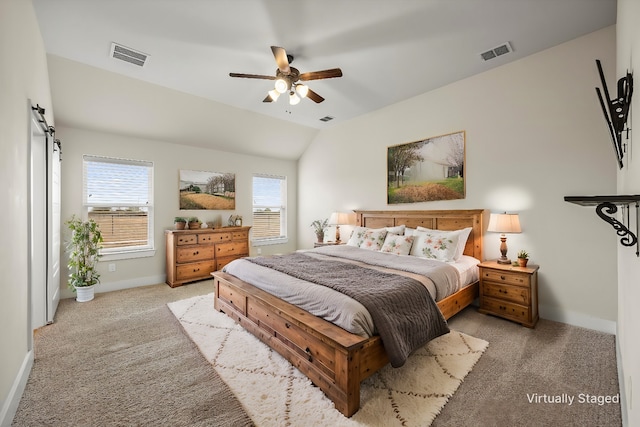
(266,241)
(146,251)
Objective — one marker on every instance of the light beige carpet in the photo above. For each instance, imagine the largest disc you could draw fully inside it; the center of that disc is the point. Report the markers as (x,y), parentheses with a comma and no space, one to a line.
(273,392)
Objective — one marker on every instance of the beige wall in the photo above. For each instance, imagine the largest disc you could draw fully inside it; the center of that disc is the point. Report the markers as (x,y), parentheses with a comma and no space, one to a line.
(628,59)
(534,134)
(168,159)
(23,77)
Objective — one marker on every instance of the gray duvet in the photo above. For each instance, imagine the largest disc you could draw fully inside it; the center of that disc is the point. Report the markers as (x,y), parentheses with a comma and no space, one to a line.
(405,314)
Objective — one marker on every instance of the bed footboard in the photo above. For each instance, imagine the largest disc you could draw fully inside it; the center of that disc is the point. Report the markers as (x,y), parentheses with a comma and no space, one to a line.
(335,360)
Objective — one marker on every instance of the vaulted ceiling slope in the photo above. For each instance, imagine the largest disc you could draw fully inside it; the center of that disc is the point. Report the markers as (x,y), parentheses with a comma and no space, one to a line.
(388,51)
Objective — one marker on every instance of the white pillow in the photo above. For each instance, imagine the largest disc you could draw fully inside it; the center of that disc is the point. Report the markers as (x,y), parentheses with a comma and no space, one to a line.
(399,245)
(456,237)
(368,238)
(398,229)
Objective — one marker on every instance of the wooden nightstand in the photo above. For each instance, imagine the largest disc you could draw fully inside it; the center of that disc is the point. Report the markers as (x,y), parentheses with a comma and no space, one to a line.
(509,292)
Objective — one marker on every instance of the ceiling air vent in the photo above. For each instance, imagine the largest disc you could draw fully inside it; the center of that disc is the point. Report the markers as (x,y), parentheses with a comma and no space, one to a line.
(128,55)
(326,118)
(497,51)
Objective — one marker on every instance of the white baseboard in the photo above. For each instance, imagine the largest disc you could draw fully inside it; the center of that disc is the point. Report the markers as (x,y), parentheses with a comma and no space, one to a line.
(10,406)
(578,319)
(122,284)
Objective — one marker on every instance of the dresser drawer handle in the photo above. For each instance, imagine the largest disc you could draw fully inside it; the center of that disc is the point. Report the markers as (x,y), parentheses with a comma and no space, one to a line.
(196,269)
(502,291)
(196,253)
(502,278)
(309,356)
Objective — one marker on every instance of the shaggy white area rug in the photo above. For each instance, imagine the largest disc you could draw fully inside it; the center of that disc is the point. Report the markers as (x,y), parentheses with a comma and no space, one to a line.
(273,392)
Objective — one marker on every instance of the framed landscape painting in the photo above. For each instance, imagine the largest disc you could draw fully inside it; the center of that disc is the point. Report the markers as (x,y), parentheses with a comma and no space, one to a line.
(426,170)
(207,190)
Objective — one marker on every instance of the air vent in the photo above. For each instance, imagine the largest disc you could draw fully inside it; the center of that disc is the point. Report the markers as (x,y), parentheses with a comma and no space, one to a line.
(326,118)
(128,55)
(503,49)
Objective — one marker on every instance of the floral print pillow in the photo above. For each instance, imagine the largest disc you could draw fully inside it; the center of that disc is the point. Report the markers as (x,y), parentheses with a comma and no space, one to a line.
(435,244)
(368,238)
(399,245)
(460,237)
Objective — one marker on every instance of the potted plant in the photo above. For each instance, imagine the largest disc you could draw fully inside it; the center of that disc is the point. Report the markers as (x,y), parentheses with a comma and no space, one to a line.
(194,223)
(84,252)
(179,223)
(523,258)
(319,226)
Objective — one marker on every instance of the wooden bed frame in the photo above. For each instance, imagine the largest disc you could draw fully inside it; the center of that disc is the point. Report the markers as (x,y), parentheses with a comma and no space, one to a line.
(333,359)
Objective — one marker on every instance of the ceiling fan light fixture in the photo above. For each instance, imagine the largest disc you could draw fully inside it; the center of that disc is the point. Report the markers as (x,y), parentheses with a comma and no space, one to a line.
(293,98)
(274,94)
(281,85)
(302,90)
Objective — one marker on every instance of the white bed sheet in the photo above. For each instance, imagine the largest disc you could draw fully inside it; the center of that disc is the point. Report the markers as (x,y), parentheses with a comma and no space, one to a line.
(332,305)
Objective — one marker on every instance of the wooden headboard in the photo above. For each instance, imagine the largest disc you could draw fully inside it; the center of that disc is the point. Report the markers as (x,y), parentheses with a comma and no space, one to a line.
(437,220)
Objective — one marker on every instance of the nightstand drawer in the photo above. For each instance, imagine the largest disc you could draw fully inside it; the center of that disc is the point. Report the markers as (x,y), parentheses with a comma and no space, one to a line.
(505,277)
(506,309)
(517,294)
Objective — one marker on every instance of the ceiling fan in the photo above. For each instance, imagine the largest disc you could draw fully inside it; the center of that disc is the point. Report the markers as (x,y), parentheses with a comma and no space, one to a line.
(287,79)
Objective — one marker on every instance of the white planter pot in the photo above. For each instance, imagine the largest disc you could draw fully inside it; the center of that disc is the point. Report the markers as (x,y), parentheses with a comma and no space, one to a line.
(84,293)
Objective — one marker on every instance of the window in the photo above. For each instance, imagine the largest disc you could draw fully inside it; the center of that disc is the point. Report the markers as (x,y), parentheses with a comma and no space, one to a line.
(118,195)
(269,210)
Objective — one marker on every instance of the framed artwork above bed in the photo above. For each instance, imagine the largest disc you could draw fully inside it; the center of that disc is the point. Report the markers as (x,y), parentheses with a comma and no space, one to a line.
(427,170)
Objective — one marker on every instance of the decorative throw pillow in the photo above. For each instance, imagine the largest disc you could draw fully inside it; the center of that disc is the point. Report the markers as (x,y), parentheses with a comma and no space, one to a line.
(435,245)
(459,237)
(399,245)
(368,238)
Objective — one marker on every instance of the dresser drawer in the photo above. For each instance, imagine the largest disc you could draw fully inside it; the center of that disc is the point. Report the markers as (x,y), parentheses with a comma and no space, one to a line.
(187,239)
(506,309)
(232,248)
(194,253)
(505,277)
(195,270)
(221,237)
(517,294)
(205,239)
(221,262)
(240,235)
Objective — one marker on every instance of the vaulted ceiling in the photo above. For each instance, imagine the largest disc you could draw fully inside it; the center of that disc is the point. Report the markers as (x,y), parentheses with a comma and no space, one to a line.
(388,50)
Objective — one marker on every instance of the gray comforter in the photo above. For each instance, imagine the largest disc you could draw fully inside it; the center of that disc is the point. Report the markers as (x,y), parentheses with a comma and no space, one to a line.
(405,314)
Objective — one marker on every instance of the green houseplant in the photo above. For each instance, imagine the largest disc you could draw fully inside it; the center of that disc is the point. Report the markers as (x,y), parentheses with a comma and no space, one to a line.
(84,253)
(319,226)
(179,222)
(523,258)
(194,222)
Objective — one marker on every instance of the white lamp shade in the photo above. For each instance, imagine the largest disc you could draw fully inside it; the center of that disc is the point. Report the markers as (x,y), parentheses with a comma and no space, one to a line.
(340,218)
(504,223)
(274,94)
(302,90)
(281,86)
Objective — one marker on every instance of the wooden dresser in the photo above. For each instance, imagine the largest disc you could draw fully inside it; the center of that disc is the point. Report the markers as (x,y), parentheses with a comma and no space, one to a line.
(509,292)
(194,254)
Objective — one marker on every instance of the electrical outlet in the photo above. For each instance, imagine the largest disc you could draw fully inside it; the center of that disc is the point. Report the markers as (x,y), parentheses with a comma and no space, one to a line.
(259,251)
(112,268)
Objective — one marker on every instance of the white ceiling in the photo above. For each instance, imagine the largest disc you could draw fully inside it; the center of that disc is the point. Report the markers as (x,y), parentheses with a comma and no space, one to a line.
(388,50)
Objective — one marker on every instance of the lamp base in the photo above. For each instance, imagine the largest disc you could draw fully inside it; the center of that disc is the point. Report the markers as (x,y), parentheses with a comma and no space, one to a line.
(504,261)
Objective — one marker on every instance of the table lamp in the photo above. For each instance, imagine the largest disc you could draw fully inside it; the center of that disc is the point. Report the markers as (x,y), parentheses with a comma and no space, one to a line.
(504,223)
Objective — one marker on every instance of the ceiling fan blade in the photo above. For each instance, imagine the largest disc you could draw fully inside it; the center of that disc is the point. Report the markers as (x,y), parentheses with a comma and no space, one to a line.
(314,97)
(267,99)
(281,59)
(324,74)
(252,76)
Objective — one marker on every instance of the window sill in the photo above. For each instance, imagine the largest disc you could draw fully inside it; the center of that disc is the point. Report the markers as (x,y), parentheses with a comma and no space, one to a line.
(114,256)
(266,242)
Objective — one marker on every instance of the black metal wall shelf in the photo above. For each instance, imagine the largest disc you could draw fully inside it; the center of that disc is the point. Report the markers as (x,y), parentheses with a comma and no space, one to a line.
(610,205)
